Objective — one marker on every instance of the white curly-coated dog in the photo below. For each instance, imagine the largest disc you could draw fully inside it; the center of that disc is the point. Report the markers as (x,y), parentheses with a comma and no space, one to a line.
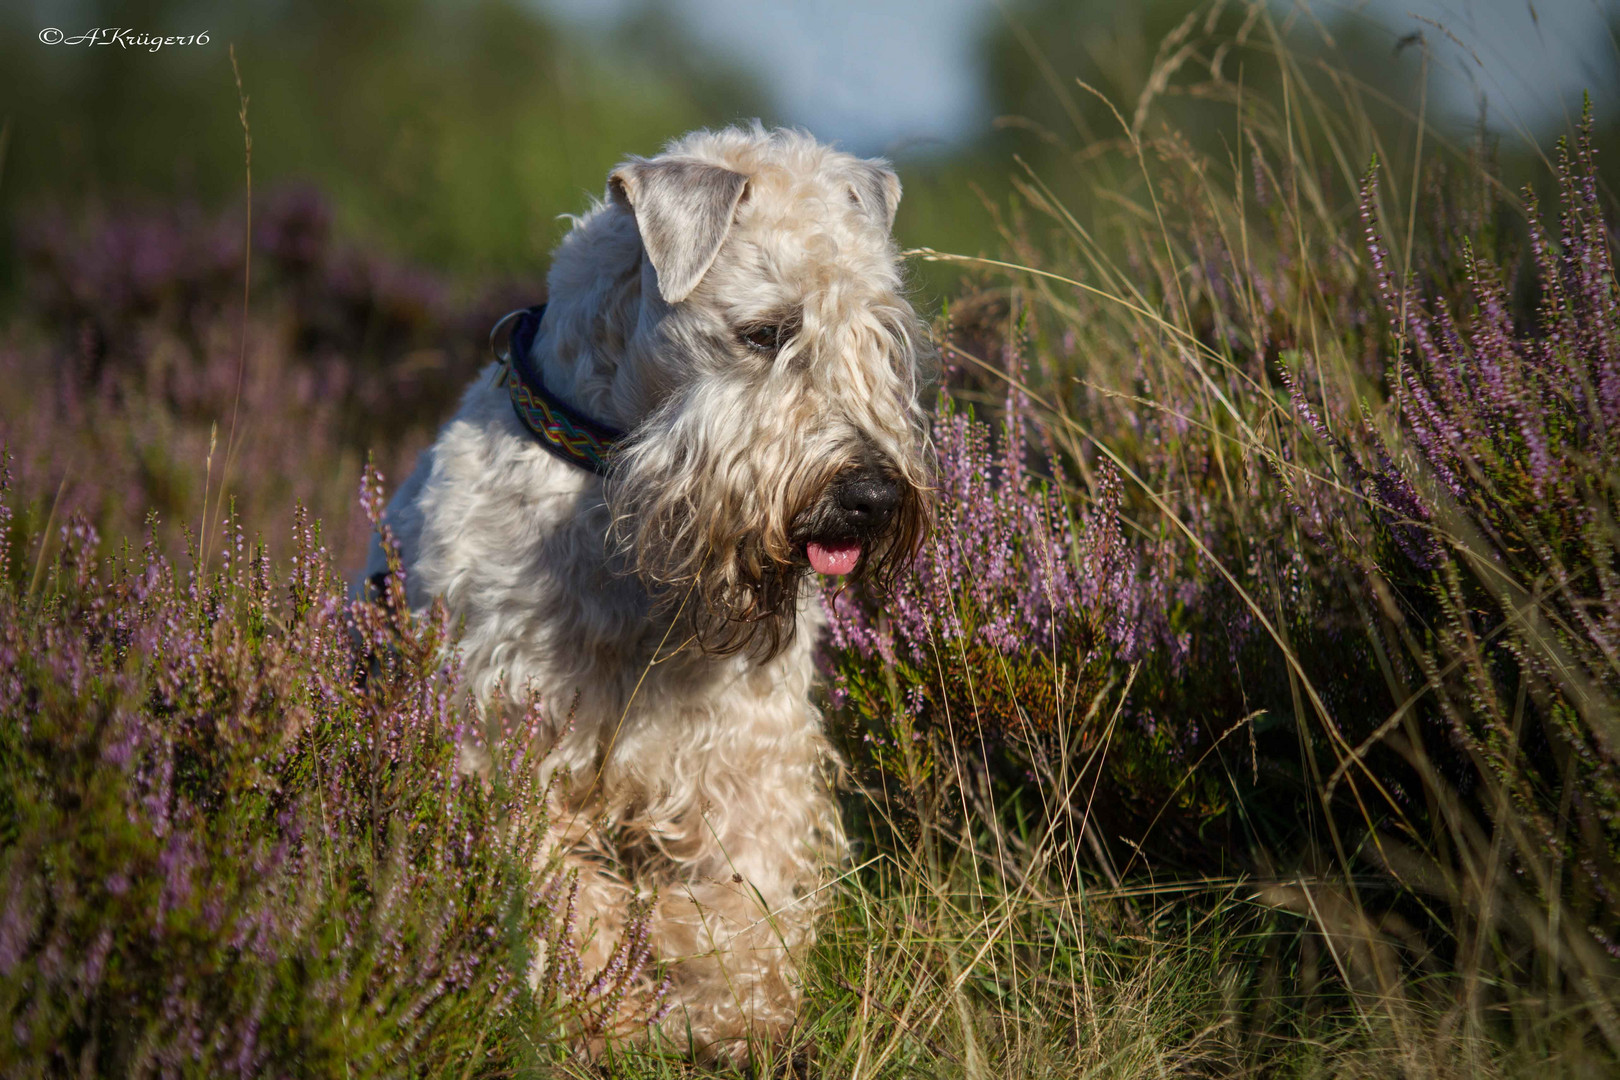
(719,399)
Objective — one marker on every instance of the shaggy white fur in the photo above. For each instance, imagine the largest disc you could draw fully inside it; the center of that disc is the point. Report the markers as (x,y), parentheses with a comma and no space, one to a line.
(735,305)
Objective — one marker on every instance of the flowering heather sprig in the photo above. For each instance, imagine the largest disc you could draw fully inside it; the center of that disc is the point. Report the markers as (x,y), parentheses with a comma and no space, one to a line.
(614,1000)
(5,513)
(1389,493)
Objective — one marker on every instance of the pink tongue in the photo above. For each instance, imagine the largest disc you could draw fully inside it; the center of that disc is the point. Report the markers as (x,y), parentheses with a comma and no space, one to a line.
(833,558)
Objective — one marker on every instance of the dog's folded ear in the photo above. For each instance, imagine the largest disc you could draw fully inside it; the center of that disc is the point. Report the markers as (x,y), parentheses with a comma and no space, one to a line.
(683,209)
(876,189)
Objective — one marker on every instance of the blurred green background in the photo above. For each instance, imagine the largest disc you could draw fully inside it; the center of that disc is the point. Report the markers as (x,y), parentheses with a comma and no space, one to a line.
(455,134)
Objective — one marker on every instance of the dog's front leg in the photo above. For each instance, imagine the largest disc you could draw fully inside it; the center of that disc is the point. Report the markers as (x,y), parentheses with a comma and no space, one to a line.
(741,856)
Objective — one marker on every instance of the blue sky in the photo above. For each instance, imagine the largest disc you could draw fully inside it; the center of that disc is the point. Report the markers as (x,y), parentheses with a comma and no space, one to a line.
(887,76)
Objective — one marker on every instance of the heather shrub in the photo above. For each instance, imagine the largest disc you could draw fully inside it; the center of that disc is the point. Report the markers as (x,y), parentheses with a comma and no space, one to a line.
(1497,561)
(236,837)
(1009,631)
(140,382)
(1329,529)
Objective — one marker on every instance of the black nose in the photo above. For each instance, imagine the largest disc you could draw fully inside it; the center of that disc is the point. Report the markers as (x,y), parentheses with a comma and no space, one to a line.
(868,501)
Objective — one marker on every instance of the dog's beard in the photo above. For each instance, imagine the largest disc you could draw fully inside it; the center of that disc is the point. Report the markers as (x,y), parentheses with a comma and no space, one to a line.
(730,567)
(881,554)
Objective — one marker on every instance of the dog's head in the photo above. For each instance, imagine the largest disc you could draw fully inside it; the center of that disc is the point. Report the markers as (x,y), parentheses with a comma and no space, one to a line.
(739,305)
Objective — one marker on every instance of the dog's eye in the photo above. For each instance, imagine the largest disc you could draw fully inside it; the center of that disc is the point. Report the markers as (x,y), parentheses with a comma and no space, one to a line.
(763,338)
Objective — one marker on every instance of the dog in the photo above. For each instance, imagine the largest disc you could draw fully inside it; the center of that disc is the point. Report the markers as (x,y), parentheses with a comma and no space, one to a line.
(719,401)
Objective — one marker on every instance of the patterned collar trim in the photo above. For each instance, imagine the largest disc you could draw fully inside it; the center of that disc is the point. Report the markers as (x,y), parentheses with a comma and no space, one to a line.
(576,439)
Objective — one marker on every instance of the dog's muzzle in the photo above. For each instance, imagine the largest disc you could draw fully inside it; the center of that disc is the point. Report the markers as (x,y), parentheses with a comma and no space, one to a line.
(856,509)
